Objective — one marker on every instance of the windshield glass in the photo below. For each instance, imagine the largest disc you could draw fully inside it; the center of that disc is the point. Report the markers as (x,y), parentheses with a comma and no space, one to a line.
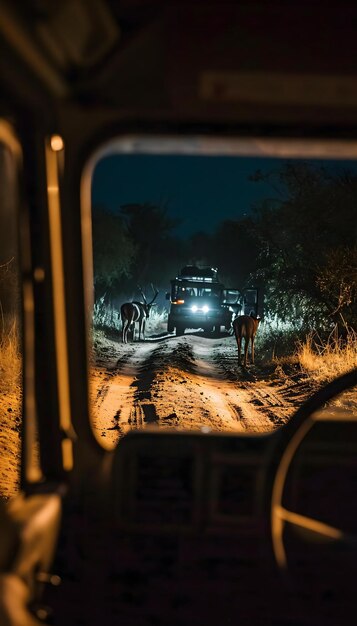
(184,245)
(191,291)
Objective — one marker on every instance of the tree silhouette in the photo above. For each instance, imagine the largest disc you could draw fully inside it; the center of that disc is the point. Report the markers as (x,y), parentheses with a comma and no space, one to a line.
(234,252)
(157,250)
(113,252)
(304,232)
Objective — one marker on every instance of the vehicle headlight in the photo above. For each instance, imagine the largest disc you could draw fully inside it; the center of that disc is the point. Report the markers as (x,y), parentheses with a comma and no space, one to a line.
(205,308)
(194,308)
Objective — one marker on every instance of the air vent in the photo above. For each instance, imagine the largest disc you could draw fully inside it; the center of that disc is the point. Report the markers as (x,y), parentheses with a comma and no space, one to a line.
(157,490)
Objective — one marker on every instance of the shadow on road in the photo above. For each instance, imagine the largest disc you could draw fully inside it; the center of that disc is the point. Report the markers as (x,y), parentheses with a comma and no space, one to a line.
(194,333)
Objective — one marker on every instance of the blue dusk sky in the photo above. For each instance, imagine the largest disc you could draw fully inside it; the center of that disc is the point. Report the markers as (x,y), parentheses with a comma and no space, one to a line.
(200,191)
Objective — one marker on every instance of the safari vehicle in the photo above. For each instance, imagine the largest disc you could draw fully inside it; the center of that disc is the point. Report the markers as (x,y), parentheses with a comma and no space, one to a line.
(199,300)
(168,528)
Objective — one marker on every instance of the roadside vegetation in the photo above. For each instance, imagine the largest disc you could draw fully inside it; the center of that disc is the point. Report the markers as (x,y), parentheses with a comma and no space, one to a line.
(323,360)
(10,349)
(10,382)
(320,357)
(10,357)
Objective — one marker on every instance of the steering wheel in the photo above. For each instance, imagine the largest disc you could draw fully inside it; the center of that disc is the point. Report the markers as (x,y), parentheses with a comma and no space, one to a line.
(290,445)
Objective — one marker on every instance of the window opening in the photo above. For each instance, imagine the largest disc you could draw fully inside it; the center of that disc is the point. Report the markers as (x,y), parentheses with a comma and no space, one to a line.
(185,239)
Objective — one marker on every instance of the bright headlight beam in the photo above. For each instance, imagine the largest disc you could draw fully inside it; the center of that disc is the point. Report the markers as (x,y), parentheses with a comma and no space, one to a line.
(195,308)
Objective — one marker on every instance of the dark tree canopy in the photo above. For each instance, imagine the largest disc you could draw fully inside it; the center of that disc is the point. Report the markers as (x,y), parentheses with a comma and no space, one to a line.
(157,250)
(134,247)
(235,252)
(307,238)
(113,251)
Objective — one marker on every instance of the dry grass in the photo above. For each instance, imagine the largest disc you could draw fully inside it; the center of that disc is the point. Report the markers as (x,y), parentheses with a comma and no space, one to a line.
(10,357)
(10,406)
(323,361)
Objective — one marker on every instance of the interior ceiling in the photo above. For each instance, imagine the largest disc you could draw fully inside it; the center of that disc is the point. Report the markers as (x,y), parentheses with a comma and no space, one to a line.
(238,59)
(79,35)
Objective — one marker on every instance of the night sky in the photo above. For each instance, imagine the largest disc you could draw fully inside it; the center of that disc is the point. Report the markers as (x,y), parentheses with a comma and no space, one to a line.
(201,191)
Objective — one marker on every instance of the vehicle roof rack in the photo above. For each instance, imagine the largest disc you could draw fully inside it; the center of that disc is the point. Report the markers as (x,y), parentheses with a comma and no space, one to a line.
(194,272)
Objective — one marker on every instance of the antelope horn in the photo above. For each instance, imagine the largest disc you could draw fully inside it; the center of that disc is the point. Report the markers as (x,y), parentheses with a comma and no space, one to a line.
(155,292)
(142,293)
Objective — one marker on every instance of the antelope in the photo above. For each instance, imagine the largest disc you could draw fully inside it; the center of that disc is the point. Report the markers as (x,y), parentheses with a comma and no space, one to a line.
(245,326)
(132,312)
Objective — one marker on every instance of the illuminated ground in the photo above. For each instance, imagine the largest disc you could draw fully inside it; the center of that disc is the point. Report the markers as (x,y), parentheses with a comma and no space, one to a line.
(188,382)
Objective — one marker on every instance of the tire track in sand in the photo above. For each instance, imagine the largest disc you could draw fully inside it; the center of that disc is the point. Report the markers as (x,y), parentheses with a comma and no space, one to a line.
(114,406)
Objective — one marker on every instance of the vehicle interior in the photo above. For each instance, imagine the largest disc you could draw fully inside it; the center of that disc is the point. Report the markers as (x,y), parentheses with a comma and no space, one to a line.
(168,528)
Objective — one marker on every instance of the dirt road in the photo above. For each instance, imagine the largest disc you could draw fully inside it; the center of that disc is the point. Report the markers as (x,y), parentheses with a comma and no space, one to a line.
(189,382)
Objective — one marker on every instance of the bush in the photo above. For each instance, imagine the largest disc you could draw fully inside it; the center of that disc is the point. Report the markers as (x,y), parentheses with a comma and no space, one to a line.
(157,322)
(105,316)
(10,356)
(276,339)
(322,357)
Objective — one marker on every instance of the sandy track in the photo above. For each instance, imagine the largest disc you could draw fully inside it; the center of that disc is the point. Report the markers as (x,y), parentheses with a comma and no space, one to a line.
(190,382)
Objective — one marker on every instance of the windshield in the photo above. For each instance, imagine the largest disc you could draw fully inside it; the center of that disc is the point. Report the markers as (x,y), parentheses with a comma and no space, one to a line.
(194,291)
(186,244)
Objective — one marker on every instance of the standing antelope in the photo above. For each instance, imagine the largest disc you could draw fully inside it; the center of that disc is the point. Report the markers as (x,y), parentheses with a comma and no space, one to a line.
(132,312)
(245,326)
